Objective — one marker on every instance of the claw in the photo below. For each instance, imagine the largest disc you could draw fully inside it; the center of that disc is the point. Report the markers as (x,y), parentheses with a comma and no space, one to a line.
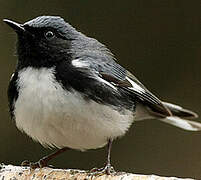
(40,164)
(25,163)
(108,169)
(44,161)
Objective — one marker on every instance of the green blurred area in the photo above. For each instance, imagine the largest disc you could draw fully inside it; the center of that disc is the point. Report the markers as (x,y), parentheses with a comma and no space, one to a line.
(159,41)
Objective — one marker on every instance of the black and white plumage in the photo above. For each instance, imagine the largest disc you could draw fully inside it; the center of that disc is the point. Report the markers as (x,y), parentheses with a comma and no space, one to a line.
(68,90)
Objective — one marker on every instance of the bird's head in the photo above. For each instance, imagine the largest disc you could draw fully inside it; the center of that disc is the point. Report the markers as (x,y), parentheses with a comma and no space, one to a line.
(44,41)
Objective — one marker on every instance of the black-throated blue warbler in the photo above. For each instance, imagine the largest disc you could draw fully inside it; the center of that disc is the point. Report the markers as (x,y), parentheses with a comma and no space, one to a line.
(69,92)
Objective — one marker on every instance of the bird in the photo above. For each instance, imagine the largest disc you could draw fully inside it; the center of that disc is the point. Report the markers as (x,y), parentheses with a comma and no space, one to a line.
(69,92)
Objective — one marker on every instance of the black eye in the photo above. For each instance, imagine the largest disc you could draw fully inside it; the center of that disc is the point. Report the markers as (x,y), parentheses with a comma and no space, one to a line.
(49,34)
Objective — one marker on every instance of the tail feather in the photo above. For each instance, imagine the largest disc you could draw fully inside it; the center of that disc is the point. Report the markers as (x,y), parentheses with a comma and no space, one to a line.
(178,118)
(182,123)
(180,111)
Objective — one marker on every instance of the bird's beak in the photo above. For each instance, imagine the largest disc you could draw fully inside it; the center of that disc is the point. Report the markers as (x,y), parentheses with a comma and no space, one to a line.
(15,26)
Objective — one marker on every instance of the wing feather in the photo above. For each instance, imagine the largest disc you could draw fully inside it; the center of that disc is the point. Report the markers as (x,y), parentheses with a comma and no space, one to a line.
(114,74)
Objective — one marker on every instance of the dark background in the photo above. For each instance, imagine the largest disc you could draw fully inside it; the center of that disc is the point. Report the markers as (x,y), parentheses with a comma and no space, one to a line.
(159,41)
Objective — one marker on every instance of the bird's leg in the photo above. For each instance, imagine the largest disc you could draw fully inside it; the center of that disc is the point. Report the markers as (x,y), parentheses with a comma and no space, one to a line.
(43,161)
(108,169)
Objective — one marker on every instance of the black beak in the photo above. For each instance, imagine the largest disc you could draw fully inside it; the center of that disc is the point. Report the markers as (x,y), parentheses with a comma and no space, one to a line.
(15,26)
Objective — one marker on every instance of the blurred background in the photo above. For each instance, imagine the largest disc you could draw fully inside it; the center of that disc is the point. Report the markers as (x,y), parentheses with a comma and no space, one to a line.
(159,41)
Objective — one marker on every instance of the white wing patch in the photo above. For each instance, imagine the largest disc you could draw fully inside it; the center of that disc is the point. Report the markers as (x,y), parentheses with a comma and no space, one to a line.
(78,63)
(135,87)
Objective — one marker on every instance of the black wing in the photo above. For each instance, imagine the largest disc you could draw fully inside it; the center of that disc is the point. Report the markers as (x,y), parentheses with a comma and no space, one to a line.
(108,70)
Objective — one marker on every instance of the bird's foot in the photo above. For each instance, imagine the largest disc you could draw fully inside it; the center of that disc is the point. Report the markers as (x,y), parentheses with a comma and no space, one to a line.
(43,162)
(108,169)
(40,164)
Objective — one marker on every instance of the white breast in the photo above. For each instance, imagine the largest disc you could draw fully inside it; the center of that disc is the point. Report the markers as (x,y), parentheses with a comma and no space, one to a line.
(55,117)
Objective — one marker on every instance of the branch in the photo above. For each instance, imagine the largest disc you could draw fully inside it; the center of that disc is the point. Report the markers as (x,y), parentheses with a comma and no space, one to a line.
(18,173)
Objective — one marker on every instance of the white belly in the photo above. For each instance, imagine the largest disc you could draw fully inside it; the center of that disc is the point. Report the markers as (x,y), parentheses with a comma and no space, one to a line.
(55,117)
